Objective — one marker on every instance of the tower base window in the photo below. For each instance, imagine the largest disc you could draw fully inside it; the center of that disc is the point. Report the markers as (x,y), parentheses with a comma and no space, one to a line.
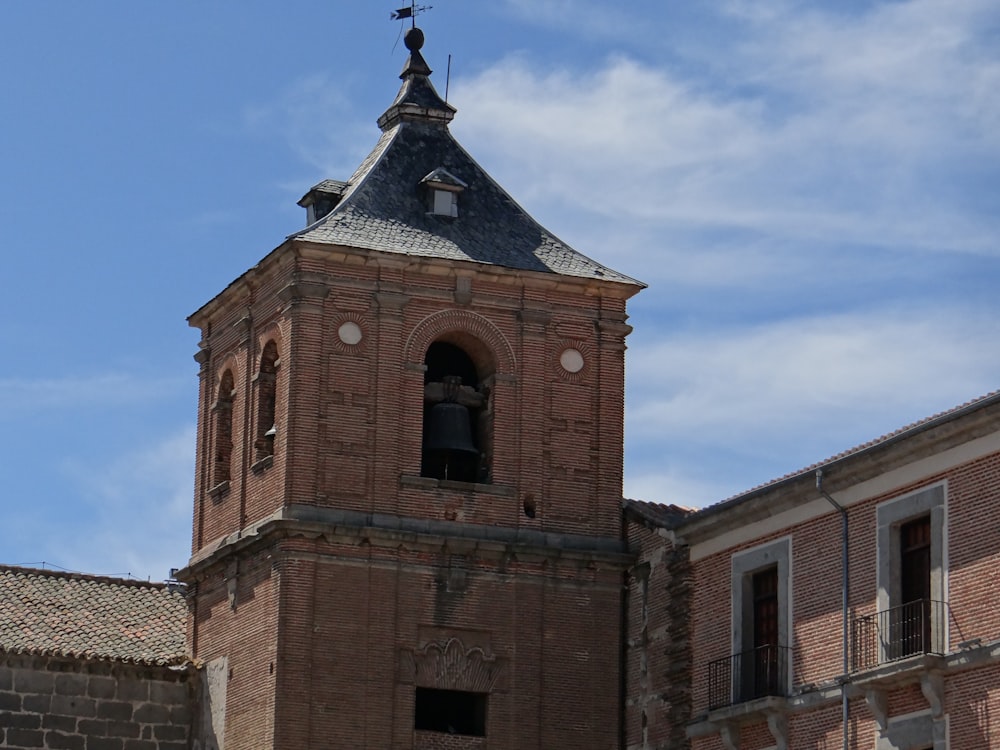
(450,711)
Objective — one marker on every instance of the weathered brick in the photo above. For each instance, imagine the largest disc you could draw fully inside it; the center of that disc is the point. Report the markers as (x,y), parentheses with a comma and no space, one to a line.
(71,684)
(102,687)
(10,702)
(62,723)
(92,727)
(169,732)
(6,678)
(140,745)
(33,681)
(180,715)
(25,738)
(60,741)
(151,713)
(104,743)
(71,705)
(170,693)
(117,710)
(123,729)
(20,721)
(133,690)
(38,704)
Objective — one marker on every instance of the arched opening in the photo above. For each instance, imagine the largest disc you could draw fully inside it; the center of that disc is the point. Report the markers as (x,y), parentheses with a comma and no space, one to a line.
(457,432)
(267,389)
(223,417)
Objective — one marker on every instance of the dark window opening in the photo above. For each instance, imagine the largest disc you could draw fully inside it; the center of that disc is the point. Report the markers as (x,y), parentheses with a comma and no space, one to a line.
(224,430)
(529,506)
(913,619)
(267,392)
(450,711)
(456,429)
(766,676)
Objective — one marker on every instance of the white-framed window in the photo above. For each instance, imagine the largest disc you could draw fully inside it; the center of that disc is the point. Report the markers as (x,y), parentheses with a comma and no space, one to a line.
(912,574)
(761,620)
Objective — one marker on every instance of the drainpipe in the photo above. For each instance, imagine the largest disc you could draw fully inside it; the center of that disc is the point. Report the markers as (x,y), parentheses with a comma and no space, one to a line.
(845,580)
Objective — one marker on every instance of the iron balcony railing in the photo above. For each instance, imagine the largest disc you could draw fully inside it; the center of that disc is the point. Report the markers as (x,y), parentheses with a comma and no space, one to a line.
(753,674)
(916,627)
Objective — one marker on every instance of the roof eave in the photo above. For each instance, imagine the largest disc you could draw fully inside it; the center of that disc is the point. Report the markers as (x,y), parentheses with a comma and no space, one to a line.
(980,417)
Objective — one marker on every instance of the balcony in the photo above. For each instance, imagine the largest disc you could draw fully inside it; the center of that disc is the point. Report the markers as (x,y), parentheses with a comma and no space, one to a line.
(917,627)
(753,674)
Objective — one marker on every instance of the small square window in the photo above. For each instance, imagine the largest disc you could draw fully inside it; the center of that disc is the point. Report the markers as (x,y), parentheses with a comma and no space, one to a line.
(445,203)
(450,712)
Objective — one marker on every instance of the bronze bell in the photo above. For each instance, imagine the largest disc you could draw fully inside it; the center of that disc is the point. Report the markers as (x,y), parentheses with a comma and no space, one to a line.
(449,429)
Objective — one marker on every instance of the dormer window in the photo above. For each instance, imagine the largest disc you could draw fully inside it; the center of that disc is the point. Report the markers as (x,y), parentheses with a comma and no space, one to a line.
(321,199)
(443,189)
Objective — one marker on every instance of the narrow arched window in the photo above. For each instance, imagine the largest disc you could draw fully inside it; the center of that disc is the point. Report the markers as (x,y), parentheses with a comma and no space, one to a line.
(267,382)
(223,418)
(456,437)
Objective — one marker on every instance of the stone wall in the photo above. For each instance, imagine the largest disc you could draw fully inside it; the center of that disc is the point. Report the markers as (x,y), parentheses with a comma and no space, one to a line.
(68,704)
(658,646)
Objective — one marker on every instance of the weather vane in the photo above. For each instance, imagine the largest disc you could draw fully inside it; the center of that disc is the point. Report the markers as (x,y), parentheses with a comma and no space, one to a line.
(411,12)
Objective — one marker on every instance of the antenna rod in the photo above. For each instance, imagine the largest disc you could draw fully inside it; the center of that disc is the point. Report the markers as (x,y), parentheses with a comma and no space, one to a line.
(447,79)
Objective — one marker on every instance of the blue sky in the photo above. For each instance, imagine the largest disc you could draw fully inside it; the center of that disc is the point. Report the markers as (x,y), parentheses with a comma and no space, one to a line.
(810,189)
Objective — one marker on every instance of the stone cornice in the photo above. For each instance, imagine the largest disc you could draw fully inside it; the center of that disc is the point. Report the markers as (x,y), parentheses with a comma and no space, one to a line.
(391,531)
(902,459)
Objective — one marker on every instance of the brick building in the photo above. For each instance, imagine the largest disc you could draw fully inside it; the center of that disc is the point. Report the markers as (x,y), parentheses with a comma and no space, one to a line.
(92,663)
(408,524)
(783,646)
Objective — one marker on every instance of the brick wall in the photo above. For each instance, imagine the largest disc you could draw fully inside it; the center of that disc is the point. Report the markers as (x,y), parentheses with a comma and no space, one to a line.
(79,705)
(357,628)
(349,417)
(972,559)
(658,661)
(327,613)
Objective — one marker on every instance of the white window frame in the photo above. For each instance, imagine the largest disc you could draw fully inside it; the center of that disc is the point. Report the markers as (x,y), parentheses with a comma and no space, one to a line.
(777,553)
(890,515)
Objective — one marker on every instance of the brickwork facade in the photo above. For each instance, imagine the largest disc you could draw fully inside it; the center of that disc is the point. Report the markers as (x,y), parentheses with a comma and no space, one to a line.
(339,555)
(356,592)
(919,675)
(73,704)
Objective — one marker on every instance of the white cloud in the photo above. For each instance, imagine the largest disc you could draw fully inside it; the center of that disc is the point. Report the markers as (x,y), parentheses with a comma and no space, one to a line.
(317,116)
(135,517)
(824,129)
(579,16)
(35,394)
(673,486)
(781,379)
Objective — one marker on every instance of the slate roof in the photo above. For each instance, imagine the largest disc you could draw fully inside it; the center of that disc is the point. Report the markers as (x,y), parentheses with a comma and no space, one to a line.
(51,613)
(385,207)
(325,187)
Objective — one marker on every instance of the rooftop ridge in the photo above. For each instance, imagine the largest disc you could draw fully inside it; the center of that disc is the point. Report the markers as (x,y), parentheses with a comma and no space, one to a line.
(886,439)
(74,575)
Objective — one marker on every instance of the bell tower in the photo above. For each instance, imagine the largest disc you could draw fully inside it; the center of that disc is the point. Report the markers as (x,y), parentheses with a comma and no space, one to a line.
(407,521)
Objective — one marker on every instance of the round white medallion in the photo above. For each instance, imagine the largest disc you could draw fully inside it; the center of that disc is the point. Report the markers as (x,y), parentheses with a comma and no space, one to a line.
(349,332)
(571,360)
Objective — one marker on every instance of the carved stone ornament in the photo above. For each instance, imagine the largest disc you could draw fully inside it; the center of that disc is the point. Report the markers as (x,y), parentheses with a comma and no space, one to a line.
(878,703)
(730,735)
(777,723)
(932,686)
(449,665)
